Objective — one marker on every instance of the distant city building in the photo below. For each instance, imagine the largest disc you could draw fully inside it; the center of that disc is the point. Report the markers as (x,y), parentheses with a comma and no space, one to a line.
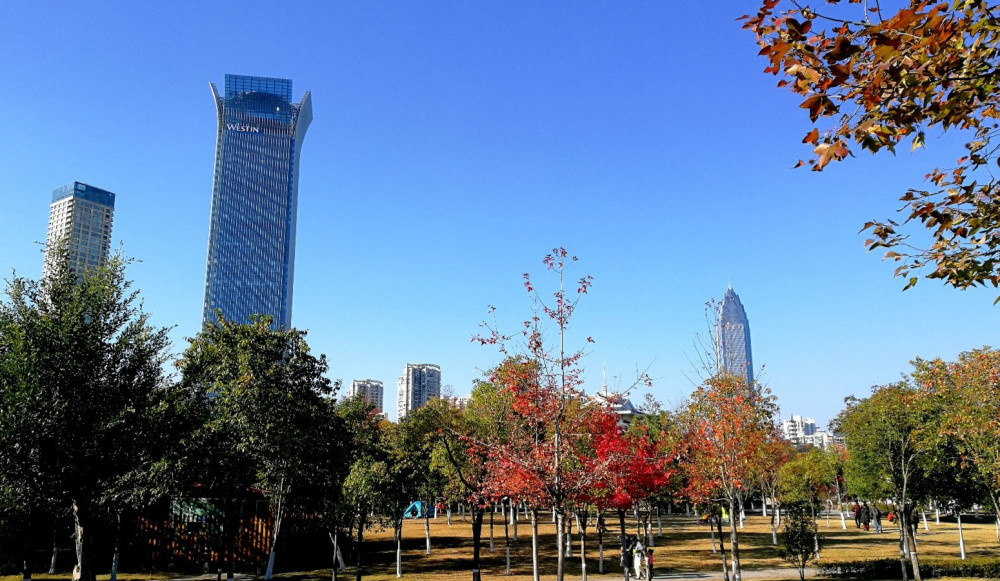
(803,431)
(251,241)
(81,215)
(420,383)
(459,402)
(618,403)
(370,389)
(733,338)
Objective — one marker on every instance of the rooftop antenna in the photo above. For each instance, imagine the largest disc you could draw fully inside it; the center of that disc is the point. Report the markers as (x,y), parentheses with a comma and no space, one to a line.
(604,374)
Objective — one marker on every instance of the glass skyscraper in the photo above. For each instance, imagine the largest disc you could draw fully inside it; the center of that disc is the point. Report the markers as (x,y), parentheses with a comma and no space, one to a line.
(733,338)
(251,240)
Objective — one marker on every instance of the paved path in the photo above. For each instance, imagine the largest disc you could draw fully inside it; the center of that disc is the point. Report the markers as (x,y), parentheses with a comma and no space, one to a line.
(777,574)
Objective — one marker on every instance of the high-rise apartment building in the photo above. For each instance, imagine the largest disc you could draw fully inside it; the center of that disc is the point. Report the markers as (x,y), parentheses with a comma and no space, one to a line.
(251,241)
(420,383)
(369,389)
(81,216)
(733,338)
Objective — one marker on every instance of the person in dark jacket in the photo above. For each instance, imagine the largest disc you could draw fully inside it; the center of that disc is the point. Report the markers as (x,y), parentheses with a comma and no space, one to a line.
(866,517)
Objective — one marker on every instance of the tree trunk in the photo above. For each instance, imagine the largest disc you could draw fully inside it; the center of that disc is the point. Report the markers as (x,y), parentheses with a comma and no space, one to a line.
(711,532)
(722,546)
(55,546)
(398,534)
(923,515)
(581,527)
(477,534)
(506,540)
(513,522)
(902,544)
(961,538)
(774,529)
(117,546)
(600,544)
(534,544)
(621,521)
(278,515)
(734,542)
(913,553)
(448,513)
(336,552)
(362,515)
(560,544)
(26,549)
(492,512)
(82,519)
(427,528)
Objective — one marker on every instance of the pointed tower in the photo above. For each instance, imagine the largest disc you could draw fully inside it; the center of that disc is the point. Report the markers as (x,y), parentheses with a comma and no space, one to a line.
(733,337)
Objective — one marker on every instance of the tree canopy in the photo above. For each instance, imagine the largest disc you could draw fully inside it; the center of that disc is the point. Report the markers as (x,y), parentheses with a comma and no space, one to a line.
(873,80)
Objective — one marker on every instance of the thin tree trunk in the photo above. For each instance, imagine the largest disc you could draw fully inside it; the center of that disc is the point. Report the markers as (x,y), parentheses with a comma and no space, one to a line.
(363,512)
(427,530)
(914,559)
(448,514)
(722,546)
(477,540)
(534,544)
(84,550)
(560,544)
(600,544)
(581,527)
(513,522)
(336,553)
(398,533)
(26,549)
(278,515)
(711,532)
(492,512)
(961,538)
(902,544)
(923,515)
(659,522)
(506,539)
(117,546)
(55,546)
(734,542)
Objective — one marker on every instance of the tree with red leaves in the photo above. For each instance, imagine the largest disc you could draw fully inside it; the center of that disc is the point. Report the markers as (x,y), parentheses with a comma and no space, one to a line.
(728,424)
(545,459)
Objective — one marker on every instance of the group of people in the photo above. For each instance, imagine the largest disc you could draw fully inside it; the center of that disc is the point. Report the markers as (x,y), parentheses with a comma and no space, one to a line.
(863,516)
(637,556)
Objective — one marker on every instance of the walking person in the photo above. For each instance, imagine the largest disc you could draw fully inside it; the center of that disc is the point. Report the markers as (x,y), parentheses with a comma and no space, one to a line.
(626,560)
(877,514)
(649,563)
(866,517)
(857,514)
(638,558)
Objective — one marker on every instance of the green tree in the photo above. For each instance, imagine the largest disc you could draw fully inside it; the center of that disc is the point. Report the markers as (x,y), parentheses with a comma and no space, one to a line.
(81,377)
(873,80)
(800,536)
(890,443)
(263,417)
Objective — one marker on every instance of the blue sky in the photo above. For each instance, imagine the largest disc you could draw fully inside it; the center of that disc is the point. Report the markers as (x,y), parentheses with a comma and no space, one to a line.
(454,144)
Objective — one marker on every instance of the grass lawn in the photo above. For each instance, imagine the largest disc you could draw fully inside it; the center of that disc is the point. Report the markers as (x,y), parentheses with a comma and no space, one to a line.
(684,547)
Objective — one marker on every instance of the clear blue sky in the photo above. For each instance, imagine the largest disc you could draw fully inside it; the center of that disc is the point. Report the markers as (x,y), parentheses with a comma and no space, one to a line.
(454,144)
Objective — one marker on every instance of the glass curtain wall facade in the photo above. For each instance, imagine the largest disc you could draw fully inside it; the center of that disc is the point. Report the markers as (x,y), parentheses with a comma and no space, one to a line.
(251,242)
(733,338)
(81,215)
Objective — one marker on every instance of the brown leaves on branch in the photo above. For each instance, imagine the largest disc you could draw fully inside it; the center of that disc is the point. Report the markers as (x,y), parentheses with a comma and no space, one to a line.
(872,80)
